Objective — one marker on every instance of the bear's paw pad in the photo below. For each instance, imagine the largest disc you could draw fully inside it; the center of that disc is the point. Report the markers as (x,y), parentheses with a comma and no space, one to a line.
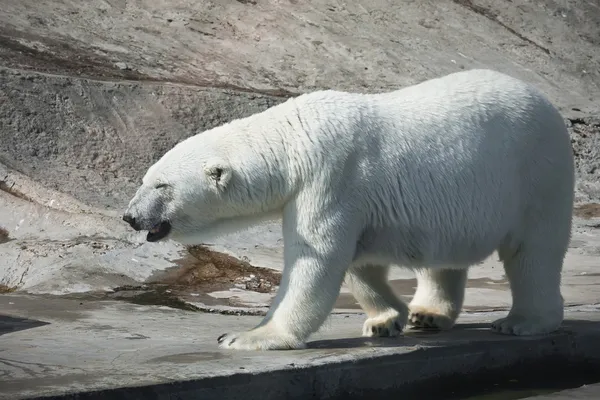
(426,318)
(388,324)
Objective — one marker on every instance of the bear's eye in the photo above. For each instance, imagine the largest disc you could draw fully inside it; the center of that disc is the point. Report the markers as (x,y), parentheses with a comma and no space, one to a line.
(160,186)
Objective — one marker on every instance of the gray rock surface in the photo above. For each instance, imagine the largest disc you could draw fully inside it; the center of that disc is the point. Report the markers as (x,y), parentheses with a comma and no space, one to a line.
(92,93)
(300,46)
(60,347)
(94,140)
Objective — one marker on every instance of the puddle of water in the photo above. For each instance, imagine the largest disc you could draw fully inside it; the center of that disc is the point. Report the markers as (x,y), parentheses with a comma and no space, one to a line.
(151,296)
(190,358)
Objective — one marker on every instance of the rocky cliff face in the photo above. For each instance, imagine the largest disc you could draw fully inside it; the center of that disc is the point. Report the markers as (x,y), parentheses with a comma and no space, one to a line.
(91,93)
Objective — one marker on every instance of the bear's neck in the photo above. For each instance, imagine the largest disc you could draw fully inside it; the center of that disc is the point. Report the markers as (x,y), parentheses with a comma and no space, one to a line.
(283,149)
(262,161)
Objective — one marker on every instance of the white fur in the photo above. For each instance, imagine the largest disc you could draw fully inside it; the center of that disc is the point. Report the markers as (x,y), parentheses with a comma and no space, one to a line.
(434,177)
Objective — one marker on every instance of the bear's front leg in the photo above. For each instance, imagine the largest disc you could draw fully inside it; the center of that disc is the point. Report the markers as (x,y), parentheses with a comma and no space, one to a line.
(310,284)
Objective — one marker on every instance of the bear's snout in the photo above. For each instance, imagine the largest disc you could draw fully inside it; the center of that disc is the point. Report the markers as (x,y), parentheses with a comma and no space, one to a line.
(131,221)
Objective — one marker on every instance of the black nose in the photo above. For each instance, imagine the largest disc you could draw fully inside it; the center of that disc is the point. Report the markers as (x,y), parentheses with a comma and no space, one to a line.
(129,219)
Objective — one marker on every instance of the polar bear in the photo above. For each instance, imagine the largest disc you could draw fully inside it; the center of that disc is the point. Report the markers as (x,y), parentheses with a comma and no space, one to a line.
(434,177)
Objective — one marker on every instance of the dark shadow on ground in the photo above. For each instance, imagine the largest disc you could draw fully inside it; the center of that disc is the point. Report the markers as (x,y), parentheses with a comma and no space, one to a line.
(460,333)
(10,324)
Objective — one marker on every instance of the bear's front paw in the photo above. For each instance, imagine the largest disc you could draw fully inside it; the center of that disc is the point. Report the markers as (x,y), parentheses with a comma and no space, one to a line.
(258,339)
(387,324)
(427,318)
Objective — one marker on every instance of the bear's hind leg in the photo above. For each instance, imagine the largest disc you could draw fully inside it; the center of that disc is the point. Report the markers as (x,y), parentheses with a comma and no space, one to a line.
(438,299)
(387,314)
(534,273)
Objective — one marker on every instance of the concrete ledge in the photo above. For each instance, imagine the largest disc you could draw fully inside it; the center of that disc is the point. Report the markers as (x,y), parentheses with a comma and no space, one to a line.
(586,392)
(110,350)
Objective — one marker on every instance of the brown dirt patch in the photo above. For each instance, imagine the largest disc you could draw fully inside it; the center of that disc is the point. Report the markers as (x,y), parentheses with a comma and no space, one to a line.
(6,289)
(206,270)
(3,235)
(199,272)
(587,211)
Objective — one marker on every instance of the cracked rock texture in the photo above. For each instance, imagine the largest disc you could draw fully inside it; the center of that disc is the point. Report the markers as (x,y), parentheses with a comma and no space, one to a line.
(92,93)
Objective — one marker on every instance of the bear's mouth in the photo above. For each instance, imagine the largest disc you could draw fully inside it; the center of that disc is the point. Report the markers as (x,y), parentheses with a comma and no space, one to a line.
(159,231)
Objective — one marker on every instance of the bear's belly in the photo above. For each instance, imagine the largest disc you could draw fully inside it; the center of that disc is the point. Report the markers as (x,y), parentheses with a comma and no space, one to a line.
(416,247)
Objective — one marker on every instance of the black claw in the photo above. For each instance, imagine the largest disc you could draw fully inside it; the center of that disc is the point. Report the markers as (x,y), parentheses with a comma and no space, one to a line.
(232,341)
(221,338)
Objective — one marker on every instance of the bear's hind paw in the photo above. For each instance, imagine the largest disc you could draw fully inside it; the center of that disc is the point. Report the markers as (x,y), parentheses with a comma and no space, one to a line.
(522,326)
(388,324)
(425,318)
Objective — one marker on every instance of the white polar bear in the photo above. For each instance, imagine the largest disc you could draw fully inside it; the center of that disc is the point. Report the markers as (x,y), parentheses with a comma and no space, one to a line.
(433,177)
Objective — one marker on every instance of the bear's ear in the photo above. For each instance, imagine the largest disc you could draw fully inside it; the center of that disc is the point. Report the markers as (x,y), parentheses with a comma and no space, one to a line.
(218,173)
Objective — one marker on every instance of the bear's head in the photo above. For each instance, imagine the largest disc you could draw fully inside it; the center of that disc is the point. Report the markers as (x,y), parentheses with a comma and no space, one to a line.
(181,194)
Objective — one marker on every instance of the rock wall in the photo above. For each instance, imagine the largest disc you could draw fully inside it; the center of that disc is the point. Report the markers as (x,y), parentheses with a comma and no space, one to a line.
(91,93)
